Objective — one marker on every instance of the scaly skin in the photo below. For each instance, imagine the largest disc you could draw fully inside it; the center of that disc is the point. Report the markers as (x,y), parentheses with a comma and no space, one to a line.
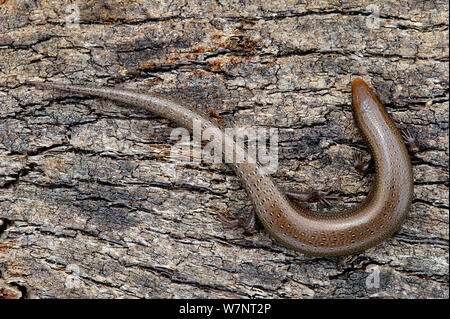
(333,234)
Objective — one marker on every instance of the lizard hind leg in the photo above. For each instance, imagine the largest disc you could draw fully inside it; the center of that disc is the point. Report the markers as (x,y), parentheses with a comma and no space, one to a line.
(248,225)
(322,197)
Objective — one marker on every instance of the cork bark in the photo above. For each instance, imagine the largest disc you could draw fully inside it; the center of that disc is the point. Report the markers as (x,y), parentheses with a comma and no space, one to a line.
(91,204)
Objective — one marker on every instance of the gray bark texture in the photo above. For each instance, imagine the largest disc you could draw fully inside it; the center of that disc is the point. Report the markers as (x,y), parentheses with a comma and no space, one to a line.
(93,206)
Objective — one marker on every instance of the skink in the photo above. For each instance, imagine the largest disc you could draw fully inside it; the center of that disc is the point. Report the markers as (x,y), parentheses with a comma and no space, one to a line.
(342,233)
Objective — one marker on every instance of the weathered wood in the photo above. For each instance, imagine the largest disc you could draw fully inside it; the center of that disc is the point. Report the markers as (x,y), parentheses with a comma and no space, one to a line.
(92,206)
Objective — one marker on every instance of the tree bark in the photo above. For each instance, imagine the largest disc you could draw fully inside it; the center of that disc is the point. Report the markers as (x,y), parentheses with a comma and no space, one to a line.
(92,206)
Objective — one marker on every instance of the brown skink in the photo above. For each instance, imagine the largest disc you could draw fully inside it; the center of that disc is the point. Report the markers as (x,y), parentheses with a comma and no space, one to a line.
(333,234)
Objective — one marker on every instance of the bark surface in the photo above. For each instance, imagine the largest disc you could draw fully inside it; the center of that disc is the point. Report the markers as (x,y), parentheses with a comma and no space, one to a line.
(91,204)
